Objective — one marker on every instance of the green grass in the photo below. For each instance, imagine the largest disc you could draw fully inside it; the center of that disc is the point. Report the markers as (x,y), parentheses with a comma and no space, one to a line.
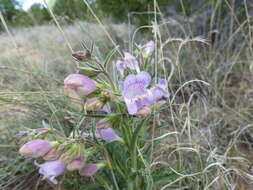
(204,134)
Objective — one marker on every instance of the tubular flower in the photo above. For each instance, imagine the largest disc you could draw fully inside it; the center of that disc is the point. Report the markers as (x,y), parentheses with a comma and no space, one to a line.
(76,164)
(90,169)
(82,84)
(107,134)
(131,62)
(121,66)
(149,48)
(51,169)
(135,92)
(35,148)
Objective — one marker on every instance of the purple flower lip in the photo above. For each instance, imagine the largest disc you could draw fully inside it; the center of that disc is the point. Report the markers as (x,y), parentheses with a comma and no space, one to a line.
(136,94)
(82,84)
(35,148)
(51,169)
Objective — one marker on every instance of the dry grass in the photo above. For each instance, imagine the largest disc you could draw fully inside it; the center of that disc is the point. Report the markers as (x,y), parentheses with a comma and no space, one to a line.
(207,125)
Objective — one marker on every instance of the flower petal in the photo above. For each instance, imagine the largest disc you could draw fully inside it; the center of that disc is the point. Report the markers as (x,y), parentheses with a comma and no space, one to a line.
(131,106)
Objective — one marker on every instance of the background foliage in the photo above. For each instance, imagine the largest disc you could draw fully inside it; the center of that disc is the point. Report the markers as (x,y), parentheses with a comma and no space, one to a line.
(139,11)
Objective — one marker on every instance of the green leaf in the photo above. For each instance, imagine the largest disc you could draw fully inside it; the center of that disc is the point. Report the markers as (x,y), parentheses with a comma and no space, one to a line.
(90,72)
(109,56)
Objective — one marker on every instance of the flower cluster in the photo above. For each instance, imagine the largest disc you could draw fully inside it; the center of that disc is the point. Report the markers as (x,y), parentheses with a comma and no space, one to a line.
(135,92)
(59,158)
(139,93)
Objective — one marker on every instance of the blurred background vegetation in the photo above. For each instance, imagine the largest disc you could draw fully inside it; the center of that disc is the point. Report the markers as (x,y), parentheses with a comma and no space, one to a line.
(117,10)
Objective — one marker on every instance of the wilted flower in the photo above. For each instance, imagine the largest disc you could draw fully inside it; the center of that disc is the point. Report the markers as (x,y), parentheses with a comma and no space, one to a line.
(35,148)
(82,84)
(160,103)
(135,92)
(82,55)
(93,104)
(145,111)
(160,90)
(76,164)
(107,134)
(51,169)
(90,169)
(149,48)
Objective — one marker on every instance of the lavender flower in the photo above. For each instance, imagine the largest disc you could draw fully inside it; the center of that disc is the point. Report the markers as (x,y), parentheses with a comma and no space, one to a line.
(131,62)
(82,84)
(90,169)
(135,92)
(149,48)
(160,90)
(35,148)
(121,66)
(107,134)
(51,169)
(76,164)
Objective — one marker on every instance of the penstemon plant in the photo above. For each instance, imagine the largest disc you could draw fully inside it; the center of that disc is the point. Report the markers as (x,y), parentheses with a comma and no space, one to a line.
(116,153)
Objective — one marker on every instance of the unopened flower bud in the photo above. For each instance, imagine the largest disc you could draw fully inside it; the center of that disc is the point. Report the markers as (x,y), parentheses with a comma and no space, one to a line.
(76,164)
(145,111)
(41,130)
(82,84)
(107,134)
(51,169)
(93,104)
(22,133)
(82,55)
(54,153)
(90,72)
(90,169)
(103,123)
(149,48)
(35,148)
